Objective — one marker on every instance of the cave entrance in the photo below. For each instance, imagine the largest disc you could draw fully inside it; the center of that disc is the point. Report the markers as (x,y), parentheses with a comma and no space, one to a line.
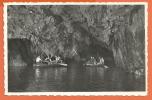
(97,51)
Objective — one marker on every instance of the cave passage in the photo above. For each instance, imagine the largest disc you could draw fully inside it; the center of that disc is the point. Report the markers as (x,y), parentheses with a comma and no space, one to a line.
(74,77)
(101,48)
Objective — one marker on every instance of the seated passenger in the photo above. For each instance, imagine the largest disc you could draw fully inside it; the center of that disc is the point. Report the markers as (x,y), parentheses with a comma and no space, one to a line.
(101,60)
(94,61)
(38,59)
(53,58)
(57,58)
(47,60)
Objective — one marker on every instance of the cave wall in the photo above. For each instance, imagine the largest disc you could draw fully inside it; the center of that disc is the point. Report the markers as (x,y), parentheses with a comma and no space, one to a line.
(58,29)
(19,52)
(122,29)
(129,42)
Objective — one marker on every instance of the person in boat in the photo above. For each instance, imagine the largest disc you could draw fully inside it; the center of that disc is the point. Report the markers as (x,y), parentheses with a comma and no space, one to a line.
(57,58)
(53,58)
(101,60)
(93,60)
(47,60)
(38,59)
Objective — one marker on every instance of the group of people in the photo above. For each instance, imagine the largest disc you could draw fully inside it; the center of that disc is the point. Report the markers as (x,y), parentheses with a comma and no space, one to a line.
(57,59)
(54,59)
(99,61)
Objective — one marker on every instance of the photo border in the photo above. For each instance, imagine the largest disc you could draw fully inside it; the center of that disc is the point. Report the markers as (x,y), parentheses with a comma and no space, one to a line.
(122,93)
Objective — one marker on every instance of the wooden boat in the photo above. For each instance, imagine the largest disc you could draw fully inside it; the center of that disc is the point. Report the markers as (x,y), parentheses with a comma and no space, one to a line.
(50,65)
(96,65)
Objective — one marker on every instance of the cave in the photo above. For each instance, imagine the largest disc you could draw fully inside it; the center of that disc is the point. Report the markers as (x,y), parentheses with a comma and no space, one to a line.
(76,33)
(19,52)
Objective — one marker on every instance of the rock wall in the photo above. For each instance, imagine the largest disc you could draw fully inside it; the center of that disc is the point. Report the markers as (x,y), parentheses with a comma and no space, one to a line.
(128,41)
(57,29)
(19,52)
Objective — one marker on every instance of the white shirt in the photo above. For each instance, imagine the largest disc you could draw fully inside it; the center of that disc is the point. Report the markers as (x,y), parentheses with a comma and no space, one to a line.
(38,59)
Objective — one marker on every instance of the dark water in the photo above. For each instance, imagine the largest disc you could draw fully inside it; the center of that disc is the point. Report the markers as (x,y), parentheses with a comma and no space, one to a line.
(75,78)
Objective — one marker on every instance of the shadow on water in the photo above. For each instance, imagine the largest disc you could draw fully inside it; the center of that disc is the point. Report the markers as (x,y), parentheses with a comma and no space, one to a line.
(18,77)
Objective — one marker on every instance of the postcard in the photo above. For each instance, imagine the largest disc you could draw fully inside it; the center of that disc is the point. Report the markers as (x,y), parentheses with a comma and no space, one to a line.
(57,49)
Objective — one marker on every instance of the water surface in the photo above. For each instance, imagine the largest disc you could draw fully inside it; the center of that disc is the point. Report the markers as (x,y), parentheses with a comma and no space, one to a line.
(75,78)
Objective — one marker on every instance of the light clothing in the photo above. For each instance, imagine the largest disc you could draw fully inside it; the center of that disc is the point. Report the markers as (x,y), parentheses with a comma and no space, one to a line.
(101,60)
(38,59)
(57,58)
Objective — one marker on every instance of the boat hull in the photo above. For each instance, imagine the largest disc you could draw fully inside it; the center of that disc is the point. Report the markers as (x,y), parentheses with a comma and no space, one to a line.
(50,65)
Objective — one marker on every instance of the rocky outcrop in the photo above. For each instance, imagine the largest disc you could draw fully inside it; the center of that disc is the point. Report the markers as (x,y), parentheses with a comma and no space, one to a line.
(118,29)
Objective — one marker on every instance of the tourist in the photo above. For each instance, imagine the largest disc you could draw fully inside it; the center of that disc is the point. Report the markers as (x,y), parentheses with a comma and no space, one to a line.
(101,60)
(53,58)
(94,60)
(57,58)
(38,59)
(47,60)
(91,61)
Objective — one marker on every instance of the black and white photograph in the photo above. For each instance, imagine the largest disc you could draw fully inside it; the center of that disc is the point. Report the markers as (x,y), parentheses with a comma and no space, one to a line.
(75,48)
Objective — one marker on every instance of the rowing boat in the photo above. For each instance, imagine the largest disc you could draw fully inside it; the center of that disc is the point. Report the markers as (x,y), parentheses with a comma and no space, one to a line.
(50,65)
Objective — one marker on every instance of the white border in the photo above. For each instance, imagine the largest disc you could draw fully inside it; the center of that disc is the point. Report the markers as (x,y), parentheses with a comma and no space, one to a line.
(120,93)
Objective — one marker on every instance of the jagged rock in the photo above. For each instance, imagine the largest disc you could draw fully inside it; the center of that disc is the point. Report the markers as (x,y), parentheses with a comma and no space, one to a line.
(118,29)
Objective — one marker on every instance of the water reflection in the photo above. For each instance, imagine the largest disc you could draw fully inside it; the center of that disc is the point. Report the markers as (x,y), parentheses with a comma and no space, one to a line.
(75,78)
(18,77)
